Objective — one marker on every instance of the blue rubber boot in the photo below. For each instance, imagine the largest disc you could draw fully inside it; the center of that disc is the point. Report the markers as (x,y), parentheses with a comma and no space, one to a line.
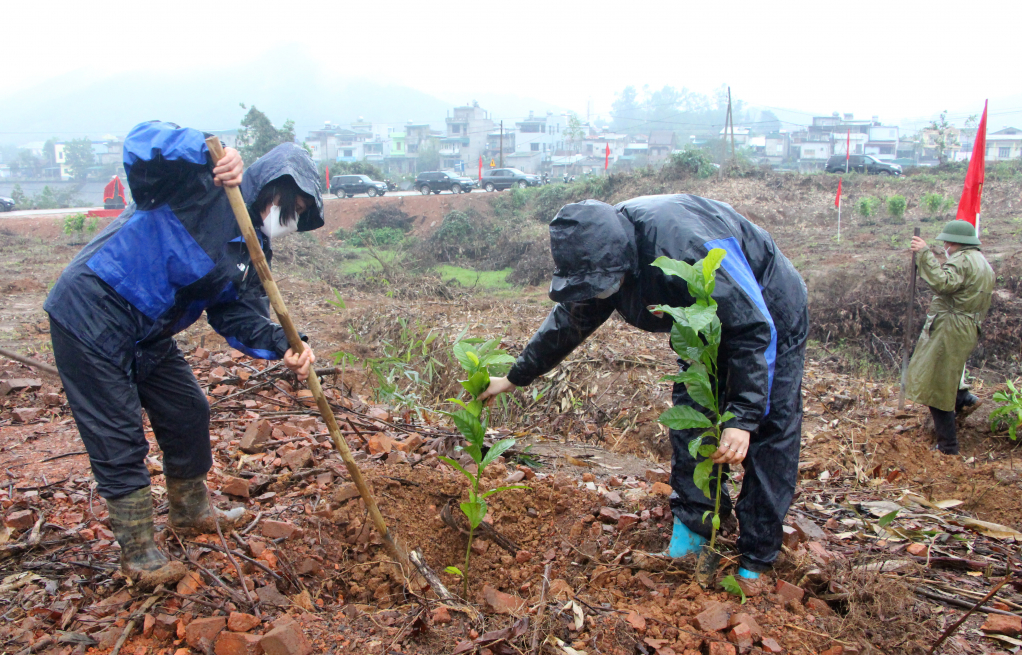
(684,541)
(747,574)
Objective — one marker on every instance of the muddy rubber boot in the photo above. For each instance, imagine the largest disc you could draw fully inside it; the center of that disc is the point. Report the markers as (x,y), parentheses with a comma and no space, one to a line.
(684,541)
(947,434)
(966,403)
(131,518)
(189,507)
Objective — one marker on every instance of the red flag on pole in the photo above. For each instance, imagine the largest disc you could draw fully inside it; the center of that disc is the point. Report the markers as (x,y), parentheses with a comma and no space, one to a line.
(480,169)
(968,206)
(606,159)
(837,199)
(328,179)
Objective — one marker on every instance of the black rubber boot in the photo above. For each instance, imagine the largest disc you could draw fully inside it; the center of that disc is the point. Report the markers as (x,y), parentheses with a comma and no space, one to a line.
(131,519)
(189,506)
(966,403)
(947,434)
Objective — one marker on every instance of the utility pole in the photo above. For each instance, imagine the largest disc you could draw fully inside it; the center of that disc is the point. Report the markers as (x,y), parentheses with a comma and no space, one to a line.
(502,144)
(731,117)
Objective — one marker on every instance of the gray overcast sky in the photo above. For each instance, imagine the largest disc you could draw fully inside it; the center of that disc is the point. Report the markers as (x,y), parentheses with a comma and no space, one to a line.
(898,59)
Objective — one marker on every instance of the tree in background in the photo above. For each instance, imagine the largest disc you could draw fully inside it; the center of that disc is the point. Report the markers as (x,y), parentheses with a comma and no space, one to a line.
(79,157)
(258,136)
(626,111)
(681,111)
(50,151)
(574,132)
(944,138)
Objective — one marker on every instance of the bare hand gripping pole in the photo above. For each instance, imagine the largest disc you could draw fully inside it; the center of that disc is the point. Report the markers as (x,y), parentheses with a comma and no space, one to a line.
(255,252)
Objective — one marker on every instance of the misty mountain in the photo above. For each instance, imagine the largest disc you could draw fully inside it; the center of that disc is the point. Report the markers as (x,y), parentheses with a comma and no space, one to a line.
(286,84)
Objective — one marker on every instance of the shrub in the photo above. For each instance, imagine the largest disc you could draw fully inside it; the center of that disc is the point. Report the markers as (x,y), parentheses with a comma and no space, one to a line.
(896,206)
(936,204)
(691,162)
(867,207)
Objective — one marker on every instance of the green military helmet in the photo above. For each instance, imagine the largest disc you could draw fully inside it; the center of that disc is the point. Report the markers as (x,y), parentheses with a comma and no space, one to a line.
(959,232)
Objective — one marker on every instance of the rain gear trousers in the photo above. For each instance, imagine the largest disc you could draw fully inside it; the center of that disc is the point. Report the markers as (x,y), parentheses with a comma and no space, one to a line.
(174,253)
(963,287)
(762,306)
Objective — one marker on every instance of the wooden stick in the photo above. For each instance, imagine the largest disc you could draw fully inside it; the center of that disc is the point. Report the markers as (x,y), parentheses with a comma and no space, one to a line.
(227,551)
(540,610)
(149,602)
(28,361)
(951,629)
(908,328)
(255,252)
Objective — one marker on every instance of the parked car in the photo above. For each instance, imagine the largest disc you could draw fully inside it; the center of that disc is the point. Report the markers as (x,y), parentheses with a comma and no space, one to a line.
(505,178)
(437,181)
(349,185)
(6,204)
(862,164)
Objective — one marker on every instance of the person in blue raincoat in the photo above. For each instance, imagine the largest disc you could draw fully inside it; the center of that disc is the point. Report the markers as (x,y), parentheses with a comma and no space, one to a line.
(173,254)
(603,256)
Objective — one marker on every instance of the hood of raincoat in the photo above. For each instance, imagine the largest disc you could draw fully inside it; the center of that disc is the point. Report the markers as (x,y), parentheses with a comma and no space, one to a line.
(593,246)
(293,160)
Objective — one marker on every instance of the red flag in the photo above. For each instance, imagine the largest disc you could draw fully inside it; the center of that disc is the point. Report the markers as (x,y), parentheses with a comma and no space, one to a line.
(480,169)
(968,206)
(328,179)
(837,199)
(606,159)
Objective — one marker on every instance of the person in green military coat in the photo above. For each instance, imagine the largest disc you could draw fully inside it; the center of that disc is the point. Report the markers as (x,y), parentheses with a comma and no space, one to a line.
(962,288)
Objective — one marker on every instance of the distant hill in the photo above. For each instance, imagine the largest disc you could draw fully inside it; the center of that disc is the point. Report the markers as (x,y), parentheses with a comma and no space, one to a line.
(283,85)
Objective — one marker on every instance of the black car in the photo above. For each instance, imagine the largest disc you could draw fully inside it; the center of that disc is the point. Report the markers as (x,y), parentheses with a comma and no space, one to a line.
(349,185)
(6,204)
(862,164)
(505,178)
(437,181)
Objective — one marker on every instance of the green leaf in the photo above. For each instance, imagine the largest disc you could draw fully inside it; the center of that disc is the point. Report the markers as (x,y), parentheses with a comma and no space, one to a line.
(468,425)
(705,514)
(477,382)
(495,451)
(339,303)
(715,522)
(731,586)
(507,488)
(726,416)
(698,317)
(711,263)
(686,343)
(461,350)
(685,271)
(454,570)
(707,449)
(886,519)
(455,464)
(701,476)
(697,383)
(474,511)
(694,446)
(683,417)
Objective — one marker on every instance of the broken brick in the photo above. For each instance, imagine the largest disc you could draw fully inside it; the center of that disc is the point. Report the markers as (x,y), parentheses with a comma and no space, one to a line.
(297,459)
(819,607)
(19,384)
(770,645)
(256,434)
(1002,624)
(636,620)
(661,489)
(523,556)
(20,520)
(200,633)
(609,515)
(740,636)
(380,444)
(26,414)
(748,621)
(286,638)
(238,643)
(789,592)
(713,618)
(919,550)
(657,475)
(189,584)
(720,648)
(148,623)
(441,616)
(789,537)
(241,622)
(627,520)
(165,627)
(235,487)
(278,529)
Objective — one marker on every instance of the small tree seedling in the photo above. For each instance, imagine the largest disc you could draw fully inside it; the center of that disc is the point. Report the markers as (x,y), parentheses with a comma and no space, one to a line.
(476,357)
(695,337)
(1009,411)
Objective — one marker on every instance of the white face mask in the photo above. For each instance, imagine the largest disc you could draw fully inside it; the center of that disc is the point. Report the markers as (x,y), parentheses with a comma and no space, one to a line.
(947,253)
(612,290)
(272,227)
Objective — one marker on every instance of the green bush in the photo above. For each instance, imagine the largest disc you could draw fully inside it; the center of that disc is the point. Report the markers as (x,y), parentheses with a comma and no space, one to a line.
(896,206)
(867,207)
(936,204)
(691,162)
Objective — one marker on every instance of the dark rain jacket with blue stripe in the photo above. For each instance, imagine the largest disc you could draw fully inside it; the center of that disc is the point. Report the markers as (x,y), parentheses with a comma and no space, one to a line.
(761,297)
(177,251)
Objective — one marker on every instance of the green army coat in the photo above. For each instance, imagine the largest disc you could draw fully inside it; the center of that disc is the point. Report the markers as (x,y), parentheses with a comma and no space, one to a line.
(963,287)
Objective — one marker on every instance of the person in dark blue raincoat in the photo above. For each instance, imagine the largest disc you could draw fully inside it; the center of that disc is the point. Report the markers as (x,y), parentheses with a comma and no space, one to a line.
(173,254)
(603,255)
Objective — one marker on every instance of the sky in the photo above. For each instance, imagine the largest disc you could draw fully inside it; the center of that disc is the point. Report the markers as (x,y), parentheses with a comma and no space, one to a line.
(899,60)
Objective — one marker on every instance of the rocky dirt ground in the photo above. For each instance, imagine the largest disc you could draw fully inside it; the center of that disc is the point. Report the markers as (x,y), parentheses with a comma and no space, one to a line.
(886,545)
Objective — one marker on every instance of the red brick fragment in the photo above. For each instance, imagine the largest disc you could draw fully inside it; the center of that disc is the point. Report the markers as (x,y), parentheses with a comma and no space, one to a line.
(238,643)
(241,622)
(713,618)
(286,638)
(788,591)
(200,633)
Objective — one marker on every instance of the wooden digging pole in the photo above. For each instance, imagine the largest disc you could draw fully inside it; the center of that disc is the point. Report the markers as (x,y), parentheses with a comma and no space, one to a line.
(907,345)
(255,252)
